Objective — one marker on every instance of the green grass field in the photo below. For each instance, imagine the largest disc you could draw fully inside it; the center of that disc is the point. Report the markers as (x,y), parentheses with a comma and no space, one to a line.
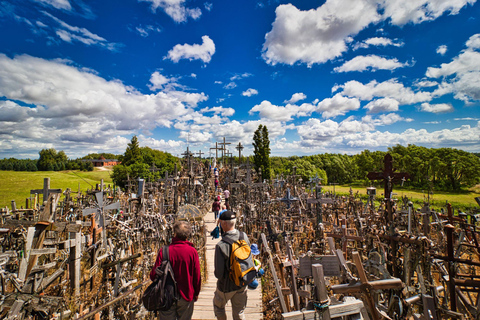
(15,185)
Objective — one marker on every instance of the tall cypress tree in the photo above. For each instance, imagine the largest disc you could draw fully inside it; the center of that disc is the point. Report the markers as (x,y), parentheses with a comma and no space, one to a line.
(266,154)
(261,151)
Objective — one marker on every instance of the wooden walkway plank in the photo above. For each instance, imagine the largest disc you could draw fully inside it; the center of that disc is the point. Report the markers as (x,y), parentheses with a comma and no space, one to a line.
(204,306)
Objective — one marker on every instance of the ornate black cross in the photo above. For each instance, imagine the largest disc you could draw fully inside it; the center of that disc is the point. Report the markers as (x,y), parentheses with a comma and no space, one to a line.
(389,176)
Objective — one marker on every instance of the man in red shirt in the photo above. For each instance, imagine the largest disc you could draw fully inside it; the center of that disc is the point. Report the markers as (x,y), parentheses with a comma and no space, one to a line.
(186,268)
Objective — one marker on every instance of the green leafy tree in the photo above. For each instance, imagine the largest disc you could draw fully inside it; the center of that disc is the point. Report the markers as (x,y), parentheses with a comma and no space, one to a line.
(137,161)
(306,170)
(261,152)
(47,159)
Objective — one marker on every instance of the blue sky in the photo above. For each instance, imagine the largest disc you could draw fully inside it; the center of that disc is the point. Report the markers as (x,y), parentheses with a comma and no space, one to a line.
(335,76)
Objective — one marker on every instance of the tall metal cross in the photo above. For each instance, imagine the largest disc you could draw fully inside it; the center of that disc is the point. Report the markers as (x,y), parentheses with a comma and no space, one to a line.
(224,149)
(187,154)
(239,147)
(216,150)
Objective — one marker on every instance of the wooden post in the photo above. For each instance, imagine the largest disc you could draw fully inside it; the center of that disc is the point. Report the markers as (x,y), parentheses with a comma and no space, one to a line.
(75,255)
(296,301)
(319,279)
(282,279)
(274,273)
(451,267)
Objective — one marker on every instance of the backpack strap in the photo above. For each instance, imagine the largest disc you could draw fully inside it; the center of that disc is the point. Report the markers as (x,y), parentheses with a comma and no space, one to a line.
(231,241)
(165,253)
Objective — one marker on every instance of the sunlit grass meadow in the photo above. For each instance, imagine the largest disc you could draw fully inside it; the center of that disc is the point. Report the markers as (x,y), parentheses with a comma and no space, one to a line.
(16,185)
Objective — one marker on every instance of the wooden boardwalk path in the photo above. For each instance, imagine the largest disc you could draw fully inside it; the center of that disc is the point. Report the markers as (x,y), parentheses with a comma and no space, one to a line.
(204,305)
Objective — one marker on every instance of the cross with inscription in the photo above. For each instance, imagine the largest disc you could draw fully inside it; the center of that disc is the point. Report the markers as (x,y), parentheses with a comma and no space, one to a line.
(46,190)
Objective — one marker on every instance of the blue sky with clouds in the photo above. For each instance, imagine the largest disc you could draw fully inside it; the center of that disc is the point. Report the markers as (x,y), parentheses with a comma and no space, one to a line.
(336,76)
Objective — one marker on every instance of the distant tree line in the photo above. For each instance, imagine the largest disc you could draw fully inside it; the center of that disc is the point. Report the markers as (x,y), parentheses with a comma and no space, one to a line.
(443,169)
(51,160)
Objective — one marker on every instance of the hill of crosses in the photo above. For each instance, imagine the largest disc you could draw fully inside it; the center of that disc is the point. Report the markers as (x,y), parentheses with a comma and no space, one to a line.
(81,255)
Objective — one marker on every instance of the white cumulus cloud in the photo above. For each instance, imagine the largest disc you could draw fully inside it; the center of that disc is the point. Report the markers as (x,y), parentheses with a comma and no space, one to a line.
(176,9)
(461,76)
(249,92)
(68,104)
(296,97)
(269,111)
(378,42)
(436,108)
(322,34)
(382,105)
(337,105)
(202,51)
(370,62)
(317,35)
(441,50)
(387,89)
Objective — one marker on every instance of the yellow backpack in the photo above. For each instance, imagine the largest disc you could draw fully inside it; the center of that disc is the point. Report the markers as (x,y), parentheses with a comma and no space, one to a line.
(242,269)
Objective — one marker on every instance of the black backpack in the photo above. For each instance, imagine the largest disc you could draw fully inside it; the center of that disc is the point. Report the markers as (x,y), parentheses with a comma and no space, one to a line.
(162,293)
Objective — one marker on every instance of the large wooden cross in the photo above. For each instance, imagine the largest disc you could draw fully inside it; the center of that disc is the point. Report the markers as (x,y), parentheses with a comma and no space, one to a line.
(46,190)
(344,237)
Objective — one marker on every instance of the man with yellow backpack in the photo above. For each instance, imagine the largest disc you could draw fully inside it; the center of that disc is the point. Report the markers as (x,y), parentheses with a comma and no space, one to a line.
(234,269)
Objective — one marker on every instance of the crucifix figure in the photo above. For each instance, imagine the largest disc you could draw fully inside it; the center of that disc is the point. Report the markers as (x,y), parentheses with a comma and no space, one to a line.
(389,176)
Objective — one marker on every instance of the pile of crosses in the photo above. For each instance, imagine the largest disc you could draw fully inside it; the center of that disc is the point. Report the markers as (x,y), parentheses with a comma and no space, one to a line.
(333,257)
(82,255)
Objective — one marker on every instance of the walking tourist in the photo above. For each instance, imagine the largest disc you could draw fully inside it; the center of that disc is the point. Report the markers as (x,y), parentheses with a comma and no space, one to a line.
(216,207)
(226,289)
(186,269)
